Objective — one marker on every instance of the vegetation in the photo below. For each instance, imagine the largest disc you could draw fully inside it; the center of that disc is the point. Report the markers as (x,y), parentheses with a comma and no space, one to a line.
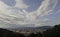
(7,33)
(35,35)
(53,32)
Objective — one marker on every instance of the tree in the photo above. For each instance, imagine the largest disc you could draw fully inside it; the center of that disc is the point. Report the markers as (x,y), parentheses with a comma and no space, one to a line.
(38,34)
(7,33)
(54,32)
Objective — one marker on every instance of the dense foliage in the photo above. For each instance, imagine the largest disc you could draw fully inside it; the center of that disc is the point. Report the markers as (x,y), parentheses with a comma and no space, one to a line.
(35,35)
(53,32)
(7,33)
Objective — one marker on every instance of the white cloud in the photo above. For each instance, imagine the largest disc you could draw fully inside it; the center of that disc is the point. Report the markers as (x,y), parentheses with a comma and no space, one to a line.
(20,4)
(46,7)
(18,14)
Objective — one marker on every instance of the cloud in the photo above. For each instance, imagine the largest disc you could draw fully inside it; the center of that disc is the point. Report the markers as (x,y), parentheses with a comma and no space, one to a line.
(46,7)
(9,2)
(19,16)
(57,12)
(20,4)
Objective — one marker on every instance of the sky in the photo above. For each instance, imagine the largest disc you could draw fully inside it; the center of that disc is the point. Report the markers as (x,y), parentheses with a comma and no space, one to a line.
(29,13)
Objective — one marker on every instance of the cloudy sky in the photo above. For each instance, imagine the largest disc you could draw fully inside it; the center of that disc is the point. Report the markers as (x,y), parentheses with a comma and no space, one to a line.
(31,13)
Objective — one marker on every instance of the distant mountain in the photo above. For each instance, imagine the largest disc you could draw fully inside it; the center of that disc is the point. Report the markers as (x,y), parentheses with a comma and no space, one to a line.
(31,28)
(44,27)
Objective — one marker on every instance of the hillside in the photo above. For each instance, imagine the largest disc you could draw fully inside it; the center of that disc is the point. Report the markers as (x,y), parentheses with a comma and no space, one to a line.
(7,33)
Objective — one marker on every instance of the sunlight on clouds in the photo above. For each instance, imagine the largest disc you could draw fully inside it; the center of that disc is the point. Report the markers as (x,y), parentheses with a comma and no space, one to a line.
(46,8)
(19,16)
(31,16)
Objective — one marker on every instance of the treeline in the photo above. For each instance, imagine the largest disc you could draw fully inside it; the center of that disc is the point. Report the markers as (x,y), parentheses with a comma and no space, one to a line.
(7,33)
(53,32)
